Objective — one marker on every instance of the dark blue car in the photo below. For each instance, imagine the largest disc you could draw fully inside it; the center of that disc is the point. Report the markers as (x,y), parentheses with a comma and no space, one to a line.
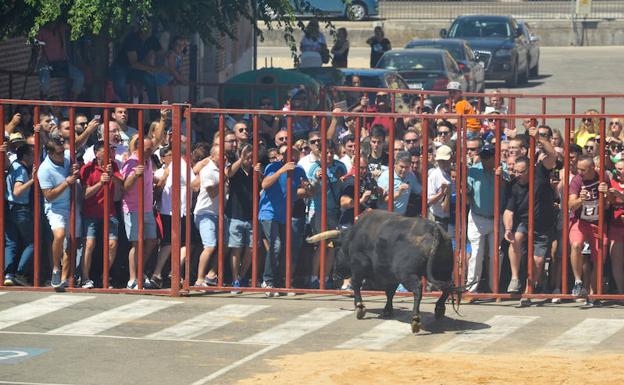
(357,10)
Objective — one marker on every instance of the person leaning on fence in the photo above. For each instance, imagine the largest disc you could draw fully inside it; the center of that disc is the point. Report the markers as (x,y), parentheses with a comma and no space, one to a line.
(378,158)
(440,187)
(18,228)
(480,187)
(131,171)
(96,177)
(57,176)
(516,215)
(585,190)
(404,183)
(616,225)
(335,171)
(206,216)
(272,215)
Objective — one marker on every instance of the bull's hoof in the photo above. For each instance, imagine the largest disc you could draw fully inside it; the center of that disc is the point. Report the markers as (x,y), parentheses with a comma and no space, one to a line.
(416,324)
(360,311)
(440,311)
(387,313)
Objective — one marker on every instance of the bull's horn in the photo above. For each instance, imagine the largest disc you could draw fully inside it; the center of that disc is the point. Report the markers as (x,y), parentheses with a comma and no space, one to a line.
(330,234)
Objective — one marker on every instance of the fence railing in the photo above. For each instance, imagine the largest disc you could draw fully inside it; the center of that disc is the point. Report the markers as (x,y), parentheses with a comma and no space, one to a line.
(182,117)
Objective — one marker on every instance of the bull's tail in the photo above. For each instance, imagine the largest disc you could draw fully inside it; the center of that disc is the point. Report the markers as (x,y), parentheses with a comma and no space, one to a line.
(330,234)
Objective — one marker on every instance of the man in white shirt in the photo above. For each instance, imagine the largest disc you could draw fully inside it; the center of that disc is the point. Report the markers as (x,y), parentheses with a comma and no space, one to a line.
(114,137)
(440,187)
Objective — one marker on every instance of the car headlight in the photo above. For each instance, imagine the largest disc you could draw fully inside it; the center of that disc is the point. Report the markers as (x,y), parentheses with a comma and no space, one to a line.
(503,52)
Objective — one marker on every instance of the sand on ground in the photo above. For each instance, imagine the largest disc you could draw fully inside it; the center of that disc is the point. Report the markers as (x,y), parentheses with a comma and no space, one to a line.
(354,367)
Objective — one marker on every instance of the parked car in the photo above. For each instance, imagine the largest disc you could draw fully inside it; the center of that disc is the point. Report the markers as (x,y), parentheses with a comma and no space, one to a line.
(497,41)
(378,78)
(474,71)
(427,69)
(534,48)
(356,10)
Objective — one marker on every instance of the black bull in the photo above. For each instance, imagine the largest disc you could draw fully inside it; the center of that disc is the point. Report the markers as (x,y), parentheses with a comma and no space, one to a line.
(389,249)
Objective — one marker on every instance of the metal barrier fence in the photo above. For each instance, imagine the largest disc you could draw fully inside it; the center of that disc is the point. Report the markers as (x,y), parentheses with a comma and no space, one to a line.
(522,9)
(186,113)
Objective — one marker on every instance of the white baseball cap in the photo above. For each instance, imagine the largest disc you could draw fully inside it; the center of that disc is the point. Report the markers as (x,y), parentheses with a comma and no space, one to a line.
(453,86)
(443,153)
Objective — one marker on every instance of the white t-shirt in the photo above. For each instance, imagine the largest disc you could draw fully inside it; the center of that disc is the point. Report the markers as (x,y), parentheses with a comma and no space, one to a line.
(209,177)
(165,201)
(307,161)
(436,178)
(347,162)
(127,135)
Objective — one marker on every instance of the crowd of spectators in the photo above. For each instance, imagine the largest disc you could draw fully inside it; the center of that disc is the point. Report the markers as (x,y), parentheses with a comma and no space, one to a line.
(89,177)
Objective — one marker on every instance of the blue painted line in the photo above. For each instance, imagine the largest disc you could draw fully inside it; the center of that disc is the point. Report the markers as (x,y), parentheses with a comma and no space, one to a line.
(13,355)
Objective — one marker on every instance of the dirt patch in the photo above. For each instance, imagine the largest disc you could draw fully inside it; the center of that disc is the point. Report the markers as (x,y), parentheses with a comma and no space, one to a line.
(349,367)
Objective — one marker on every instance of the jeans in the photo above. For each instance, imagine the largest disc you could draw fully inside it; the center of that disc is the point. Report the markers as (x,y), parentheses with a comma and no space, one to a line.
(18,231)
(298,229)
(120,75)
(481,235)
(275,233)
(64,69)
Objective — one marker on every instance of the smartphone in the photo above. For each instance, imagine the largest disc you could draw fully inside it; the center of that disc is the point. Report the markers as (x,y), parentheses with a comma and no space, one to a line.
(97,117)
(165,102)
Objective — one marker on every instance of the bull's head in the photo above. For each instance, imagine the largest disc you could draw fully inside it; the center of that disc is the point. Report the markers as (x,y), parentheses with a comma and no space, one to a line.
(342,266)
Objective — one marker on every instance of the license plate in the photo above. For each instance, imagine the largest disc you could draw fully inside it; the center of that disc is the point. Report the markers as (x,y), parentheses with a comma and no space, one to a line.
(415,86)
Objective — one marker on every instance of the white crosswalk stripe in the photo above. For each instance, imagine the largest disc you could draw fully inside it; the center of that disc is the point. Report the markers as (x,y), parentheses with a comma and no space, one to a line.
(585,335)
(207,322)
(114,317)
(473,341)
(378,337)
(291,330)
(27,311)
(3,292)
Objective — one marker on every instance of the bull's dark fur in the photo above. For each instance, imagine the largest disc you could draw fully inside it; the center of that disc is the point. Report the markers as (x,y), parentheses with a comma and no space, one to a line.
(389,249)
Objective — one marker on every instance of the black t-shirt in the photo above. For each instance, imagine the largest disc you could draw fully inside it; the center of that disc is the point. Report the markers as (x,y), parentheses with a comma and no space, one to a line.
(133,43)
(518,201)
(348,188)
(378,49)
(240,204)
(376,163)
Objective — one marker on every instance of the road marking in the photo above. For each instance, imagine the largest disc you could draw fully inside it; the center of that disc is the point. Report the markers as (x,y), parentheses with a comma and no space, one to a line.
(473,341)
(3,292)
(206,322)
(296,328)
(28,383)
(378,337)
(38,308)
(234,365)
(114,317)
(584,336)
(15,355)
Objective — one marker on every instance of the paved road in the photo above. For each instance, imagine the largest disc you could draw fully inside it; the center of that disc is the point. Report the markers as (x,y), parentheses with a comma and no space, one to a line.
(562,70)
(218,339)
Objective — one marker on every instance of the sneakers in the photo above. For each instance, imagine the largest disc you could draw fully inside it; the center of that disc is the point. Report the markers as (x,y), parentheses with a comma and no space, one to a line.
(56,279)
(514,286)
(21,280)
(401,289)
(524,302)
(556,300)
(9,280)
(214,281)
(236,284)
(156,282)
(314,284)
(132,285)
(590,303)
(88,284)
(269,294)
(579,290)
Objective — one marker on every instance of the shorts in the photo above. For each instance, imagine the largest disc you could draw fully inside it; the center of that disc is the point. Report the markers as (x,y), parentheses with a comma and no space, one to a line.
(331,221)
(60,220)
(542,241)
(93,228)
(131,222)
(581,231)
(616,233)
(240,233)
(166,225)
(207,224)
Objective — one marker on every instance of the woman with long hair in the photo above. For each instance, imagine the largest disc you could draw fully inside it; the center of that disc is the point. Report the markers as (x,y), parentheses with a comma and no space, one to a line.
(589,128)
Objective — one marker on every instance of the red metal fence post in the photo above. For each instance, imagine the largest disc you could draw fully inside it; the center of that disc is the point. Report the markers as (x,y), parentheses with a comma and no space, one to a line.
(424,166)
(256,195)
(222,181)
(356,166)
(141,213)
(565,217)
(497,198)
(2,192)
(176,198)
(107,200)
(73,198)
(531,224)
(601,209)
(189,199)
(290,196)
(323,208)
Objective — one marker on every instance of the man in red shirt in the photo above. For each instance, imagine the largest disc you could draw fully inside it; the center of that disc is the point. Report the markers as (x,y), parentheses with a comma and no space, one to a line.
(95,176)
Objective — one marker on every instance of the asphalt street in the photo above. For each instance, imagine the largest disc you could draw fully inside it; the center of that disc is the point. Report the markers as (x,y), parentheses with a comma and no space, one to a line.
(48,338)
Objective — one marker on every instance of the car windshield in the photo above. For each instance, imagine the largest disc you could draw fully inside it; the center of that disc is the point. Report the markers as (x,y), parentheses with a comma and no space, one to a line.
(453,49)
(411,62)
(477,28)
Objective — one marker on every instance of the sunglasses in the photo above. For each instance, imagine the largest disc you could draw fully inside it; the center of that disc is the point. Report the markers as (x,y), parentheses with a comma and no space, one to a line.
(282,138)
(472,149)
(615,124)
(444,133)
(544,134)
(585,120)
(410,141)
(315,141)
(242,130)
(588,147)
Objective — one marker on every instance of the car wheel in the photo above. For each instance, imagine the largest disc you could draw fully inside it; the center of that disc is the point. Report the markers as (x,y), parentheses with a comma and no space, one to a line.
(356,12)
(535,70)
(512,81)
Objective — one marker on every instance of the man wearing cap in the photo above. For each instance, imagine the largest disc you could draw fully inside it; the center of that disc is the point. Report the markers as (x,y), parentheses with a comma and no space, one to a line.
(480,188)
(404,182)
(440,187)
(461,106)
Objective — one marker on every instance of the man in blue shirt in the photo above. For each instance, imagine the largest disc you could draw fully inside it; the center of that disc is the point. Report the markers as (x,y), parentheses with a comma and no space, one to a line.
(56,176)
(480,187)
(404,182)
(18,229)
(272,214)
(336,170)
